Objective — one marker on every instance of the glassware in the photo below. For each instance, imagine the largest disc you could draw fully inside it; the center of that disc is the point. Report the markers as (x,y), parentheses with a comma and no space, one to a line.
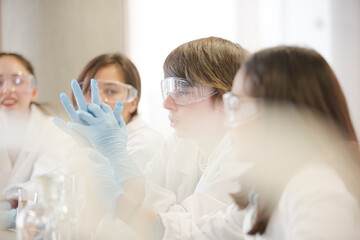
(22,201)
(49,218)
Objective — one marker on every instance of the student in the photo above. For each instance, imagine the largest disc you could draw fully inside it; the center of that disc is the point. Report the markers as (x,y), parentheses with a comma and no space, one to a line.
(30,143)
(119,81)
(305,183)
(189,177)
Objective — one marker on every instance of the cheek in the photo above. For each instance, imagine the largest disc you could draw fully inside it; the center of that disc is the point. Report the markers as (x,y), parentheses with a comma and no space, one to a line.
(24,101)
(126,110)
(197,112)
(24,98)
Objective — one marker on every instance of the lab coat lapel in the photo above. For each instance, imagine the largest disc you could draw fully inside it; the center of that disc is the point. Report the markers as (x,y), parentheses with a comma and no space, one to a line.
(5,168)
(187,172)
(29,150)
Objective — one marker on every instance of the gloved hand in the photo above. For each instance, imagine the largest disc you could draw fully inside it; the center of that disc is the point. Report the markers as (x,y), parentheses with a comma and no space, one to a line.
(81,102)
(7,218)
(104,129)
(107,137)
(100,175)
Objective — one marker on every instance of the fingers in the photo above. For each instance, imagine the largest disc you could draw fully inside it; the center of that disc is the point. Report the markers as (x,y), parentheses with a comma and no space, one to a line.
(95,97)
(117,113)
(69,107)
(79,96)
(88,118)
(106,108)
(99,111)
(84,130)
(76,136)
(61,124)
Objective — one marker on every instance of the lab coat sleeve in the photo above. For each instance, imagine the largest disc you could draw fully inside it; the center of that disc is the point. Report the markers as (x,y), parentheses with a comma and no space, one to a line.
(143,142)
(198,204)
(317,205)
(180,219)
(211,194)
(155,169)
(56,151)
(221,225)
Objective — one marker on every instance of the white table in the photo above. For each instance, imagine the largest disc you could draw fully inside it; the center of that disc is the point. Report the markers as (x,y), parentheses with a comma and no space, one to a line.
(7,235)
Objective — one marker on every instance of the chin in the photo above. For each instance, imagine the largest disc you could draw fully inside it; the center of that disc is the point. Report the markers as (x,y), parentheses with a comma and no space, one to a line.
(185,133)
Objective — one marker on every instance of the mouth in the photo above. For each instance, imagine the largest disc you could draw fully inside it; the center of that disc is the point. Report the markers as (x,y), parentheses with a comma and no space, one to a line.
(173,122)
(8,102)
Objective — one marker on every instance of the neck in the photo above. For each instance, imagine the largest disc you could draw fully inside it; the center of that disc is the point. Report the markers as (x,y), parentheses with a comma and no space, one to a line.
(208,142)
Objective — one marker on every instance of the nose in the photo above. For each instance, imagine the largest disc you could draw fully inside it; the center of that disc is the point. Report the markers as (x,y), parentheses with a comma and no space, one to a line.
(7,87)
(169,104)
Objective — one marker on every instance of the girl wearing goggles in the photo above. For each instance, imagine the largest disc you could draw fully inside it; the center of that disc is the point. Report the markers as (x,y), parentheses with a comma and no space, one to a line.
(119,81)
(30,143)
(17,84)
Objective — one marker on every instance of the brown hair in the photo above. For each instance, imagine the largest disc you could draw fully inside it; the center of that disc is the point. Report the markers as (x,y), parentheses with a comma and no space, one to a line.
(300,76)
(213,61)
(124,64)
(26,63)
(303,78)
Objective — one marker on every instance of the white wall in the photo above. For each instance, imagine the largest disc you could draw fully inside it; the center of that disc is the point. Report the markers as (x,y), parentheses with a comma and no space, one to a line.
(59,37)
(154,28)
(345,45)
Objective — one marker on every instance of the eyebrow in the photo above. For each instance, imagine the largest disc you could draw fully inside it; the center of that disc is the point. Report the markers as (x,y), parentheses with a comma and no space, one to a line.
(12,74)
(109,84)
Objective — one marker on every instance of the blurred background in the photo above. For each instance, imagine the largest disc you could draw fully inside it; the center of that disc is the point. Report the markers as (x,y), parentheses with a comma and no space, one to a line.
(60,36)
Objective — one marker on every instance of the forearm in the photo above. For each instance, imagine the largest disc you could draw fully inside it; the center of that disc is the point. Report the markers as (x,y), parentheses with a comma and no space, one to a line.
(135,188)
(135,215)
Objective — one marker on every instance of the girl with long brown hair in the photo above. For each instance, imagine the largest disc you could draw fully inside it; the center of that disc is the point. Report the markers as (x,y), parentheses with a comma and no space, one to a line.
(288,116)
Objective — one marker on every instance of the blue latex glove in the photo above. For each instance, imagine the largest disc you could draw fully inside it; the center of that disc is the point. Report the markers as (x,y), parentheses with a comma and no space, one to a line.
(101,178)
(8,218)
(82,105)
(105,135)
(103,128)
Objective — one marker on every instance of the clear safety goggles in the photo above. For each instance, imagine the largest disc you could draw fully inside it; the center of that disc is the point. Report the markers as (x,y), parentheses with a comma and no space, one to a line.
(113,91)
(238,109)
(17,82)
(182,93)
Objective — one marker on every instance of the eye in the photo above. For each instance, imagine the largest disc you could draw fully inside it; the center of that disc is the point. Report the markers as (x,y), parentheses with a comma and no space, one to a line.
(111,91)
(18,80)
(186,92)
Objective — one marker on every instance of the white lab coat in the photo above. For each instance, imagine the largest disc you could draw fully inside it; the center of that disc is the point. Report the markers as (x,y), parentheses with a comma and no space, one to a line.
(143,142)
(181,193)
(44,147)
(315,204)
(182,187)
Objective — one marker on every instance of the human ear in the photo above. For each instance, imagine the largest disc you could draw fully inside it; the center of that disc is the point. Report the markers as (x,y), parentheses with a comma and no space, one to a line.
(133,105)
(34,95)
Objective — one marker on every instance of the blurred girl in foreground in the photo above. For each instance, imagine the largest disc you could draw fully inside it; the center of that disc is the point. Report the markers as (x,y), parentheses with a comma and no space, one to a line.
(298,132)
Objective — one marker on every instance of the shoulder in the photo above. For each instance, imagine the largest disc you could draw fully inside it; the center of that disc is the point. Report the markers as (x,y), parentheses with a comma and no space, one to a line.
(138,129)
(42,126)
(316,202)
(316,185)
(315,178)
